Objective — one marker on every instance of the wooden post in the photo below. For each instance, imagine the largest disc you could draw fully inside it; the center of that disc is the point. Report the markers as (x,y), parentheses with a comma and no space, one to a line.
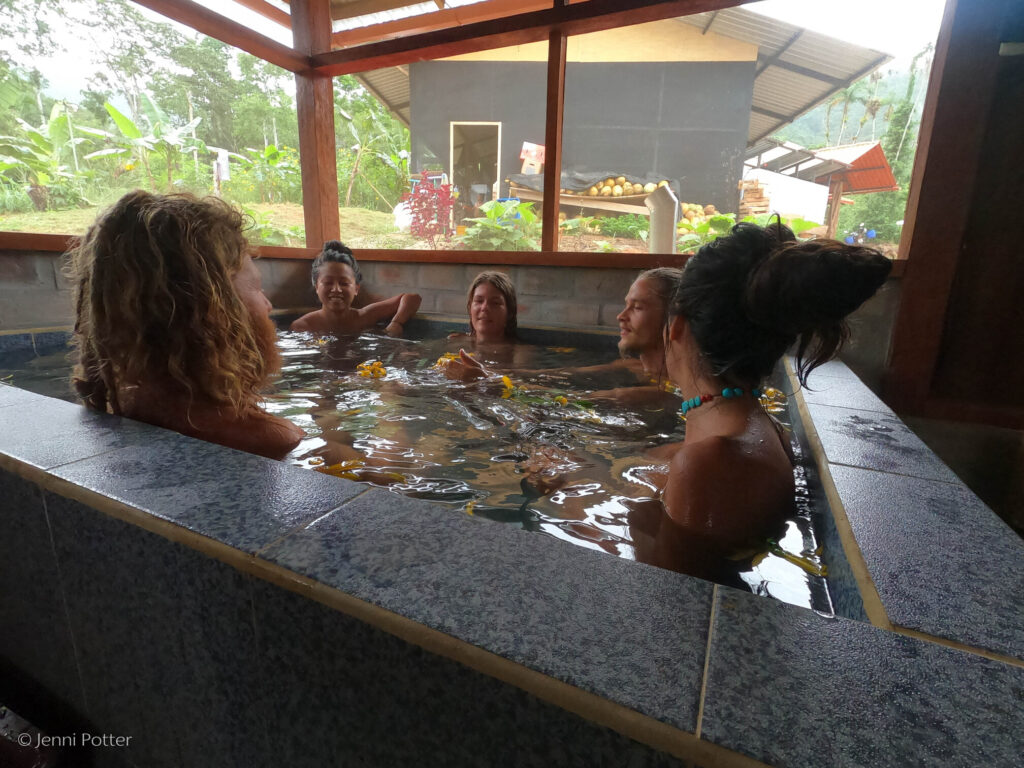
(942,185)
(835,189)
(553,141)
(314,97)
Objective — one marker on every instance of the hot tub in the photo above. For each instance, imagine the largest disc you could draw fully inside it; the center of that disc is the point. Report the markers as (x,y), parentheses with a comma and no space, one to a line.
(225,609)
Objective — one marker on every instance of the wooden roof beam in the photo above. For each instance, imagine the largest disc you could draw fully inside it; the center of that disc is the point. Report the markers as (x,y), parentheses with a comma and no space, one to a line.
(221,28)
(359,8)
(268,11)
(429,22)
(574,19)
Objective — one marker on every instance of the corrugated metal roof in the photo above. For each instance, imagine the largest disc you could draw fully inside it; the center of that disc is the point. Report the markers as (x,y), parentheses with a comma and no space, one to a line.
(797,69)
(867,169)
(863,166)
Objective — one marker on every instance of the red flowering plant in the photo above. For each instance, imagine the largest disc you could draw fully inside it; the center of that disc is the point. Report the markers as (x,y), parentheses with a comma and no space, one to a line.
(431,210)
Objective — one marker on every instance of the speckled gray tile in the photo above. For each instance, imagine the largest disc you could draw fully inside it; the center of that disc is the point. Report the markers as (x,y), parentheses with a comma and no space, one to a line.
(34,633)
(175,621)
(243,500)
(831,369)
(790,688)
(875,441)
(844,392)
(617,628)
(14,342)
(55,432)
(344,693)
(120,583)
(15,396)
(942,561)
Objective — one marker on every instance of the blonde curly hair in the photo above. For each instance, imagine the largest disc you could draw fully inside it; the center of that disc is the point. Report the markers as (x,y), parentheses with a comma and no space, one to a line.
(155,302)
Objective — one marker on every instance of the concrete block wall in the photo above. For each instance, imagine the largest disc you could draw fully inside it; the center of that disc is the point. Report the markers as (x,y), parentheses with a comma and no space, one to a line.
(572,296)
(33,291)
(35,294)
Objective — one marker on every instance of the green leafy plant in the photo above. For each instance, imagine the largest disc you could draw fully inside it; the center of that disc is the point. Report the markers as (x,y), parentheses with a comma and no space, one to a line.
(629,225)
(693,236)
(797,224)
(508,225)
(35,158)
(164,141)
(573,230)
(270,175)
(266,231)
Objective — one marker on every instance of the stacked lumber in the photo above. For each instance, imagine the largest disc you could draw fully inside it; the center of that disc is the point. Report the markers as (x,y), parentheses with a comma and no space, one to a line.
(753,199)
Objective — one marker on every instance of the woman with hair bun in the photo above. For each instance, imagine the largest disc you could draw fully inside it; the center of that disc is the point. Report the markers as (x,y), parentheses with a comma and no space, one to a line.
(336,280)
(740,304)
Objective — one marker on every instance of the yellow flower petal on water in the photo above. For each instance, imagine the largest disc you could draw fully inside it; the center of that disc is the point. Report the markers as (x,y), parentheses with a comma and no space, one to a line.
(506,381)
(469,506)
(562,400)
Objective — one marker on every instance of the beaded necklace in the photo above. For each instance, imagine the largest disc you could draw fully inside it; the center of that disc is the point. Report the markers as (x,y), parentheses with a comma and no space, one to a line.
(728,393)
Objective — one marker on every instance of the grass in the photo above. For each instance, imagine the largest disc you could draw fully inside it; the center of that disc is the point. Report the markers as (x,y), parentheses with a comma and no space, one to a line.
(360,228)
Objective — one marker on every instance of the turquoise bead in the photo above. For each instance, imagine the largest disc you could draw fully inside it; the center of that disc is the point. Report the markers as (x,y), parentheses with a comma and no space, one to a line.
(726,392)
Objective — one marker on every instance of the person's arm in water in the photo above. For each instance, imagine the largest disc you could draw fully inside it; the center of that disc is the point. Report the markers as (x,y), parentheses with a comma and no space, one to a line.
(263,434)
(399,308)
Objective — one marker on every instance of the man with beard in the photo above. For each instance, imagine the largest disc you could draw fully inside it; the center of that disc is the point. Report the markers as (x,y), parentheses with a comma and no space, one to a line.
(172,327)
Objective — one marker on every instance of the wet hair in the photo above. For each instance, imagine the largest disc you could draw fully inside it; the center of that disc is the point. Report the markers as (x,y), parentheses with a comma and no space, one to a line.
(336,252)
(503,283)
(751,295)
(664,280)
(155,302)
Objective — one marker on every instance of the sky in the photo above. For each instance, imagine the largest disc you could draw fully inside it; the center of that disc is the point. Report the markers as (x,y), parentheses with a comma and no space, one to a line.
(897,27)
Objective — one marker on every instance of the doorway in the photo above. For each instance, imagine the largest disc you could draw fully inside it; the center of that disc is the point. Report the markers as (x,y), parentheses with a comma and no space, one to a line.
(475,165)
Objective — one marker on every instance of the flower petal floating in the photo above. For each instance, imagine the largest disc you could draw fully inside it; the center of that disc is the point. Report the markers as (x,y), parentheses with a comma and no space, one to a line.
(372,369)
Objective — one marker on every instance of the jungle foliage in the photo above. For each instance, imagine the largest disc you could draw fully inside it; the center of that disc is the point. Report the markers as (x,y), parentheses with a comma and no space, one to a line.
(162,103)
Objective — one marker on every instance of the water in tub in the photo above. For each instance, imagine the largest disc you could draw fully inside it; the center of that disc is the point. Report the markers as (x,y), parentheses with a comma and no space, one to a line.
(389,417)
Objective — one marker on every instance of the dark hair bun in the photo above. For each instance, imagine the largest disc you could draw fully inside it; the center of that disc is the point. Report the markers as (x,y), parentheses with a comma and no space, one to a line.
(335,252)
(802,287)
(806,291)
(749,296)
(336,246)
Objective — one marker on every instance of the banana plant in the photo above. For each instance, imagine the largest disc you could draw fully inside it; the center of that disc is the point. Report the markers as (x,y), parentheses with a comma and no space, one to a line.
(273,170)
(35,156)
(163,139)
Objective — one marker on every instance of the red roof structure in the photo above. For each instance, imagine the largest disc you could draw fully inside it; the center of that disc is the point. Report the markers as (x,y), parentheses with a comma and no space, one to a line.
(861,167)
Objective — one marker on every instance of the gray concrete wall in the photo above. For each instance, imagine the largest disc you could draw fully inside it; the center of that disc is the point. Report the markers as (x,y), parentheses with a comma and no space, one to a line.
(34,294)
(33,291)
(578,297)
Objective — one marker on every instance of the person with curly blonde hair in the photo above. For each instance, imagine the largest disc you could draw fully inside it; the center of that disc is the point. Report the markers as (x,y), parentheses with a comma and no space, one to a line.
(172,327)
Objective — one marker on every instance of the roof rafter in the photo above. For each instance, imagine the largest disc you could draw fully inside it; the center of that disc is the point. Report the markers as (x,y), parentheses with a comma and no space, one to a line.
(577,18)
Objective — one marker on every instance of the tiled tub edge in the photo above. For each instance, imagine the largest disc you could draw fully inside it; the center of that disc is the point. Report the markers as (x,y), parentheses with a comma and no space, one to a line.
(407,632)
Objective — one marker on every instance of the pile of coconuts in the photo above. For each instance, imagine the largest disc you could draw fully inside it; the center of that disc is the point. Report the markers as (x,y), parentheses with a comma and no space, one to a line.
(617,187)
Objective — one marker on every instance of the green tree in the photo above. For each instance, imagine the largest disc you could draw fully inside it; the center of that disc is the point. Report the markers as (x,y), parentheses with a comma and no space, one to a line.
(882,211)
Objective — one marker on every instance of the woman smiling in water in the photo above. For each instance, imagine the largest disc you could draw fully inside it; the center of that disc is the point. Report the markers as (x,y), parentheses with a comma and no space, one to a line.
(336,280)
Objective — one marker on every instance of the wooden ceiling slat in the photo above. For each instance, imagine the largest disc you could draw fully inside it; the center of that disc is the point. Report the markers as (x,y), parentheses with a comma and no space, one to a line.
(268,11)
(581,18)
(429,22)
(214,25)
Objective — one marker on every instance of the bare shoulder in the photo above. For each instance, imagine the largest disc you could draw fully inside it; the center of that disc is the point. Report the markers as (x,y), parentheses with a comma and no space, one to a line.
(305,323)
(700,476)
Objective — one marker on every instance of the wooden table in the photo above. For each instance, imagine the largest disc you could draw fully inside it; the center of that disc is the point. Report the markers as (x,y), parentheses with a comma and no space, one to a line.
(583,201)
